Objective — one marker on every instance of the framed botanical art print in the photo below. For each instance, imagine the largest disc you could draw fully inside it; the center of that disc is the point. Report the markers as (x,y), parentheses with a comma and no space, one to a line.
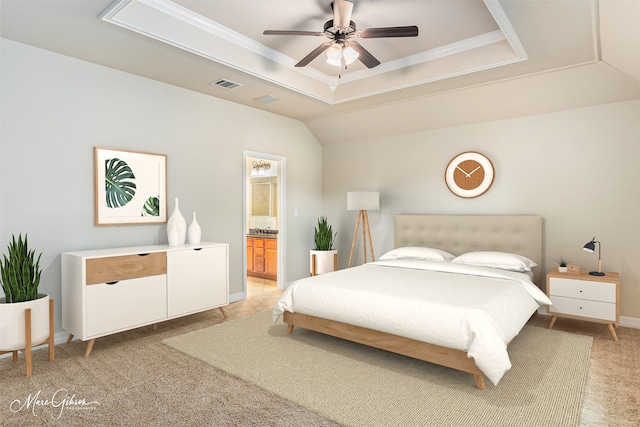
(130,187)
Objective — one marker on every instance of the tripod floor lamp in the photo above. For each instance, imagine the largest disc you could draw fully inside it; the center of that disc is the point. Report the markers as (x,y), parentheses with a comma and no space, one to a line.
(363,201)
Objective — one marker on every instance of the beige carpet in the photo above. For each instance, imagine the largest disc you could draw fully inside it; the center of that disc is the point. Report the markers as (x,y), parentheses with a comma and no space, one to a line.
(356,385)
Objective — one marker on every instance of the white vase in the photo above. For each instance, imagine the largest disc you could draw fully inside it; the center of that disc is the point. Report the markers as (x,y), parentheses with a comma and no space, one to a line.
(12,327)
(195,232)
(176,227)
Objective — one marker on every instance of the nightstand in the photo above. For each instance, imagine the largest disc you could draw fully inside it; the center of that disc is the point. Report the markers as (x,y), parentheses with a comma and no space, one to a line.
(585,297)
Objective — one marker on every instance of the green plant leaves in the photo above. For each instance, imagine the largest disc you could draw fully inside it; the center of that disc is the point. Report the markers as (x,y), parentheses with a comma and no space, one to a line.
(119,181)
(151,207)
(20,272)
(324,235)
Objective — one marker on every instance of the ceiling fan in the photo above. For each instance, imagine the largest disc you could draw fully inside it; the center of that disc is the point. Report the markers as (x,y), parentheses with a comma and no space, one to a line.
(341,48)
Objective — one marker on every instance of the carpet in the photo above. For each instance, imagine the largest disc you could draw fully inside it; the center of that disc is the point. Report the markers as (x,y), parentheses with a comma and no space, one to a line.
(356,385)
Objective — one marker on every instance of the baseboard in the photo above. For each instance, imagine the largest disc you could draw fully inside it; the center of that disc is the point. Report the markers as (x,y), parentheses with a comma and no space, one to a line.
(630,322)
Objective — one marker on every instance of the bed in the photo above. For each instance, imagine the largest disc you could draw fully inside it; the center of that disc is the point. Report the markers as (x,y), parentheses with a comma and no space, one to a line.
(455,291)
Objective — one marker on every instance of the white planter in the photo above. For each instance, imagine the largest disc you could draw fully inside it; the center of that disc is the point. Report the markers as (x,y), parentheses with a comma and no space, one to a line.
(12,333)
(562,269)
(324,261)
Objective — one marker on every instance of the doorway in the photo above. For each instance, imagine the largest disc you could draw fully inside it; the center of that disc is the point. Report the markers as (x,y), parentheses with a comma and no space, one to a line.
(263,222)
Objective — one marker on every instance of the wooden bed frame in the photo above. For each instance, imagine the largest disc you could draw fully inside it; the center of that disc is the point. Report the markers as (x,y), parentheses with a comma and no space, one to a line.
(457,234)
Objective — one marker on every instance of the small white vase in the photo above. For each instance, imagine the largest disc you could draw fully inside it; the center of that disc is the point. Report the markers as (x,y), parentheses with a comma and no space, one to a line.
(176,227)
(195,232)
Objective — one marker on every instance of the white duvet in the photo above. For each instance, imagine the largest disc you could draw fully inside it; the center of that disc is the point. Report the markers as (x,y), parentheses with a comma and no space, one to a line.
(473,309)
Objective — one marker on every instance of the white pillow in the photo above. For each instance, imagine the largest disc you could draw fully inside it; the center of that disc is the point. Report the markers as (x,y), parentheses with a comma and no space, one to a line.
(430,254)
(503,260)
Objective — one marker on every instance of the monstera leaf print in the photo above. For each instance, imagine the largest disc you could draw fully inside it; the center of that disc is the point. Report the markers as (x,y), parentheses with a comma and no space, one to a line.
(151,207)
(119,182)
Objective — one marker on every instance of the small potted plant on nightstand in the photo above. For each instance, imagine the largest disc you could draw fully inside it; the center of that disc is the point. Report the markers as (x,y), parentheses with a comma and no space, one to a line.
(562,265)
(323,257)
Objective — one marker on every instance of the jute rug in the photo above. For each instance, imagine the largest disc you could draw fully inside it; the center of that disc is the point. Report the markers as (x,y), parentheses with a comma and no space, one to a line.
(355,385)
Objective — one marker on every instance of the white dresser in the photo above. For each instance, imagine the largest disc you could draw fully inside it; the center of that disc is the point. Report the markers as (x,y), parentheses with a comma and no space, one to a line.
(107,291)
(585,297)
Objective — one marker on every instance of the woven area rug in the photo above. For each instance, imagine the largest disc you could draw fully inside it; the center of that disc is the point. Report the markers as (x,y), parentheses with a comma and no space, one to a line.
(356,385)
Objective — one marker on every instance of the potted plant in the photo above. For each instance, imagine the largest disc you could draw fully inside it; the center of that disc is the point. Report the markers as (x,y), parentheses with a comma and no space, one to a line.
(323,257)
(20,276)
(562,265)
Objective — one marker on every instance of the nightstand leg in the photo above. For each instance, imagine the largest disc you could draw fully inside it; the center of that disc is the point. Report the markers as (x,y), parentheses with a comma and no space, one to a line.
(613,332)
(552,322)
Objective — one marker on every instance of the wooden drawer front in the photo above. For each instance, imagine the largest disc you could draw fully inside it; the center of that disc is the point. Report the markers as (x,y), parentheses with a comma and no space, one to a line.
(271,244)
(258,243)
(584,308)
(582,289)
(258,251)
(111,269)
(125,305)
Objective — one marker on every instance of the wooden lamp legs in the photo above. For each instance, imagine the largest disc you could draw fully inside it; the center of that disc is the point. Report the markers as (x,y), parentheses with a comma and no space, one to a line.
(366,235)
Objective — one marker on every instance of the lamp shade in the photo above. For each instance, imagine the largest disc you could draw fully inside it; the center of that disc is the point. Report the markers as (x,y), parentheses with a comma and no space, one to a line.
(590,247)
(363,200)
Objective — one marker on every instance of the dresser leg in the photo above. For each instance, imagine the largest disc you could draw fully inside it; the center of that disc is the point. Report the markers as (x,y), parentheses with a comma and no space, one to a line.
(89,348)
(552,322)
(613,332)
(69,338)
(224,313)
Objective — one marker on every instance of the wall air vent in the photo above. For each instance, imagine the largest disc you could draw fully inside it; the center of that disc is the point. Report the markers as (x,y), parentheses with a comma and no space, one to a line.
(226,84)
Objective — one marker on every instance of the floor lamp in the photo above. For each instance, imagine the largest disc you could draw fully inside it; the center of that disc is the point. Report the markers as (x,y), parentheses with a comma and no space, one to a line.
(362,201)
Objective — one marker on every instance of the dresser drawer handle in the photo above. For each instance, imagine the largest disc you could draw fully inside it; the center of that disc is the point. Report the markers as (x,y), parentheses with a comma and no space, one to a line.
(112,283)
(580,290)
(197,249)
(143,254)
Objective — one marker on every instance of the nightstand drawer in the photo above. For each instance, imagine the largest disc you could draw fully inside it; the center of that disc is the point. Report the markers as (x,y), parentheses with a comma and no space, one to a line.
(585,308)
(582,289)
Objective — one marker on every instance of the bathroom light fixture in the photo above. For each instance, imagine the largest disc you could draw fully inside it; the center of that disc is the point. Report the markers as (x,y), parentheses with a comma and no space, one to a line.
(590,247)
(258,168)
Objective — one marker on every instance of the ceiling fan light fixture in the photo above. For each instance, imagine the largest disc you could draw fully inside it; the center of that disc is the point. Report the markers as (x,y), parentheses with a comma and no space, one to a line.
(350,55)
(334,54)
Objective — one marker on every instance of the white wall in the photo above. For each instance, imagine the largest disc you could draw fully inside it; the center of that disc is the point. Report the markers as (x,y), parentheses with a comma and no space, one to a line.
(55,109)
(577,168)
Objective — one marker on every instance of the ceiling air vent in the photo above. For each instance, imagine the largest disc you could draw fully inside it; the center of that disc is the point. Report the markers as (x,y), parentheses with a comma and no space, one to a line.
(226,84)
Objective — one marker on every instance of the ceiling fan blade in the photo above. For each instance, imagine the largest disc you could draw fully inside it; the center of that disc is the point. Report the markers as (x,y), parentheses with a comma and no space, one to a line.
(342,13)
(314,54)
(291,33)
(364,56)
(370,33)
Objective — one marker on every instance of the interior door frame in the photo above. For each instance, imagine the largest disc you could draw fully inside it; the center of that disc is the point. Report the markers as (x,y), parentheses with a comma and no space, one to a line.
(282,229)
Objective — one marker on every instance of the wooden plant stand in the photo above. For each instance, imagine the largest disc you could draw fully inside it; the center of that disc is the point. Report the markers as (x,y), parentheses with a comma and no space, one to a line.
(29,345)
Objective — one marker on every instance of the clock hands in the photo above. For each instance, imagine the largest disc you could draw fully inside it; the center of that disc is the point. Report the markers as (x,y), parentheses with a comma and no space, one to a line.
(461,170)
(468,175)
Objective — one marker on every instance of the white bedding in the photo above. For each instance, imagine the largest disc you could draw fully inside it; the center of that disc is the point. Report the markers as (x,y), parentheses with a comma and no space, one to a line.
(469,308)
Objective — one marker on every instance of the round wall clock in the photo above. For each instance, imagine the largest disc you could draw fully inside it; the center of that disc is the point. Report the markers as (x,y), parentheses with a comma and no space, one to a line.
(469,174)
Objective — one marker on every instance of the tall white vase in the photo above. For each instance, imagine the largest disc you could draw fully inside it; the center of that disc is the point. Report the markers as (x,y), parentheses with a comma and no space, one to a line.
(176,227)
(195,232)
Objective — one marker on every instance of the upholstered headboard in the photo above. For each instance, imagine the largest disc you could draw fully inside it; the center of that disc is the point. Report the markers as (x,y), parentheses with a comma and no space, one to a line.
(457,234)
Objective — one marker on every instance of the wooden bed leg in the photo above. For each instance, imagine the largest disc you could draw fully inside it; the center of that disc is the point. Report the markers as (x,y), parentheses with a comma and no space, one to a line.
(89,348)
(479,381)
(289,328)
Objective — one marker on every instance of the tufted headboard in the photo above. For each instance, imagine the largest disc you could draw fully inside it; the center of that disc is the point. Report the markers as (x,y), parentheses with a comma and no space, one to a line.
(457,234)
